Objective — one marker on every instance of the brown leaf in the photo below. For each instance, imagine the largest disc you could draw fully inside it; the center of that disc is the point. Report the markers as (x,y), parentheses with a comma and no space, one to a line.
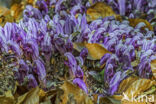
(31,97)
(109,100)
(139,86)
(125,84)
(16,11)
(134,87)
(153,68)
(135,21)
(100,10)
(74,95)
(96,51)
(8,98)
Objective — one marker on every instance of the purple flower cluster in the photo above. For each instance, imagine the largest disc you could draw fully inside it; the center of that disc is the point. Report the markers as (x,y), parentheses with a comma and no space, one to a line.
(38,36)
(127,45)
(145,9)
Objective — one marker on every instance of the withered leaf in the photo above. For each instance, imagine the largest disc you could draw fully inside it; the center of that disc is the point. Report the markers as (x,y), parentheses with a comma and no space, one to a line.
(75,94)
(153,67)
(16,11)
(8,98)
(31,97)
(95,50)
(134,21)
(125,84)
(100,10)
(139,86)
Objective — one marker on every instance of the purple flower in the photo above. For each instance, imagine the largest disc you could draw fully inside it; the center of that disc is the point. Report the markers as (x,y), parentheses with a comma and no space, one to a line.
(144,69)
(69,46)
(59,29)
(31,12)
(122,8)
(84,53)
(71,63)
(8,29)
(32,81)
(79,73)
(22,71)
(113,60)
(30,48)
(105,58)
(115,81)
(75,9)
(120,48)
(3,45)
(110,45)
(83,23)
(58,5)
(109,72)
(81,84)
(69,26)
(126,59)
(59,44)
(46,47)
(14,47)
(39,69)
(43,7)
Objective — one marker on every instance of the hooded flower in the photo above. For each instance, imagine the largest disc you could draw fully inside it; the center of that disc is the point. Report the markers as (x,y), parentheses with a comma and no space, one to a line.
(59,44)
(81,84)
(79,72)
(144,69)
(23,70)
(69,46)
(31,12)
(43,7)
(109,72)
(30,48)
(58,5)
(71,63)
(115,81)
(105,58)
(39,69)
(14,47)
(69,26)
(32,81)
(122,6)
(84,53)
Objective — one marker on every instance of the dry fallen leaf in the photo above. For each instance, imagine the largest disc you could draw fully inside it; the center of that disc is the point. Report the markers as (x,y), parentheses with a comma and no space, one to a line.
(139,86)
(153,68)
(8,98)
(16,11)
(96,51)
(31,97)
(133,87)
(135,21)
(100,10)
(125,84)
(74,95)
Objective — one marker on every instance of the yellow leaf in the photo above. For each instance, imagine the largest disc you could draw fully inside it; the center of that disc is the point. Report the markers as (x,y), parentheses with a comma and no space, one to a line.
(100,10)
(74,94)
(134,87)
(31,97)
(139,86)
(153,67)
(8,98)
(16,11)
(125,84)
(96,51)
(135,21)
(3,10)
